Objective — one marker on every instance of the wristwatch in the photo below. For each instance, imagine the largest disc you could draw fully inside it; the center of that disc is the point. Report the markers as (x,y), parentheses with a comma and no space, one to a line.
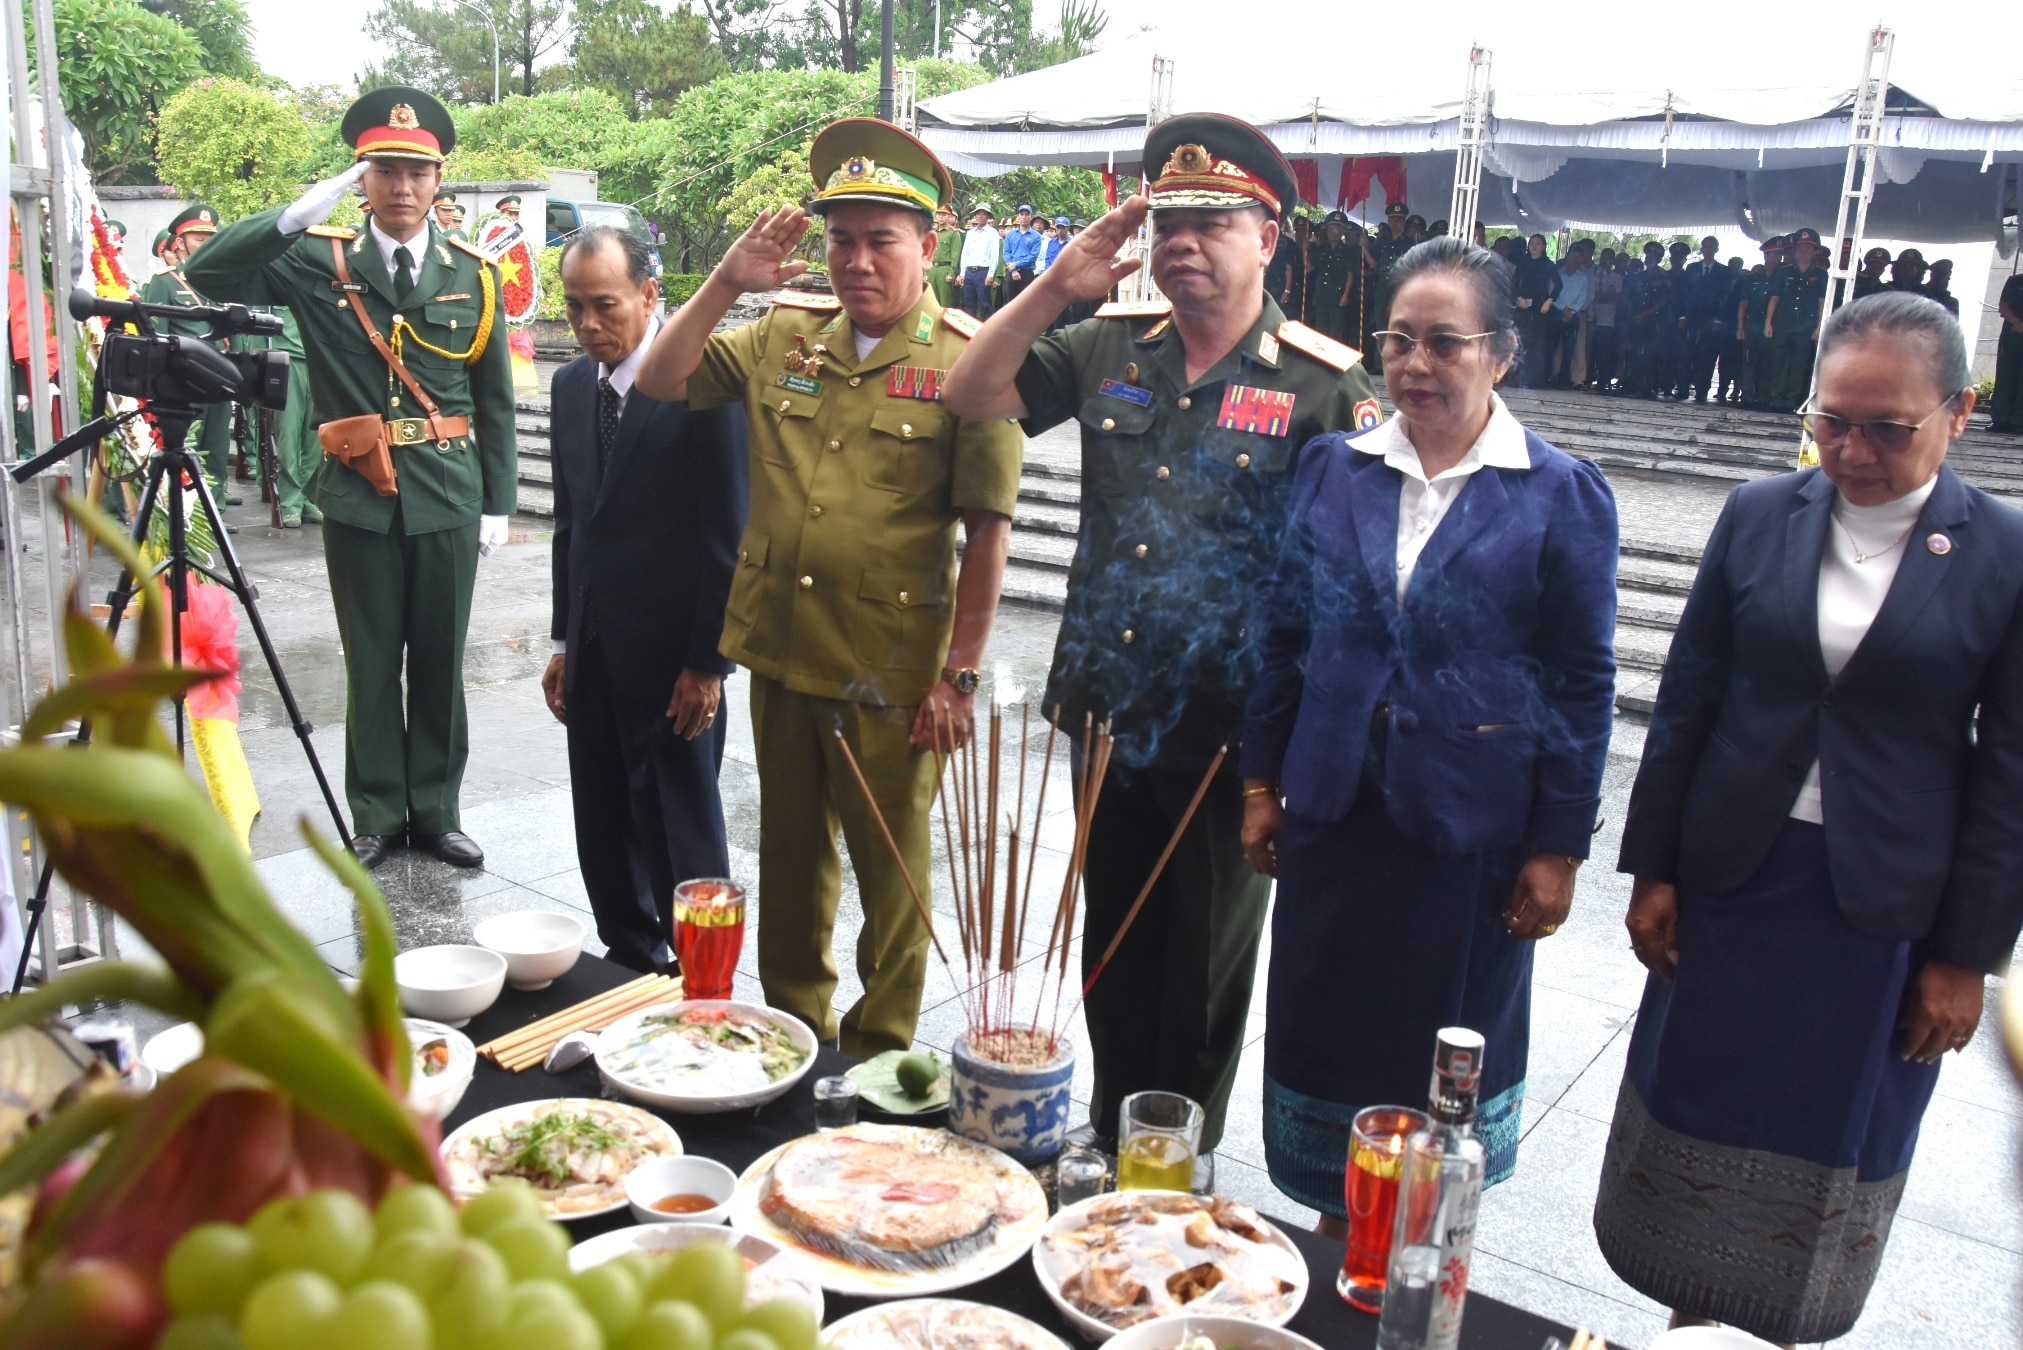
(963,681)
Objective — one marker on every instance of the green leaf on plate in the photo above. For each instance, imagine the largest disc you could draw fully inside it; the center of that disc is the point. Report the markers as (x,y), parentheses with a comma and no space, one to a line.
(878,1086)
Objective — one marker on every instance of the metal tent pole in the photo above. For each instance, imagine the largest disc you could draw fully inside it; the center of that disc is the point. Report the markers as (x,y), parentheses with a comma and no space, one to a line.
(1474,134)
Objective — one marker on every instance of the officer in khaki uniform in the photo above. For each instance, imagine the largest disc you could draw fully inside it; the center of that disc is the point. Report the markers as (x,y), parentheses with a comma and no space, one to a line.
(847,605)
(211,437)
(412,487)
(1191,415)
(941,277)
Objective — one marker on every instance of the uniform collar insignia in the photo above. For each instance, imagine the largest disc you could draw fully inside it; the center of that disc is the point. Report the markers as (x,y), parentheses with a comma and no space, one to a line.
(923,328)
(1152,333)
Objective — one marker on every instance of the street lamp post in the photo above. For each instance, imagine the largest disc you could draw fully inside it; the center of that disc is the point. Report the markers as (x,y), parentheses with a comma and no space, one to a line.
(495,43)
(885,62)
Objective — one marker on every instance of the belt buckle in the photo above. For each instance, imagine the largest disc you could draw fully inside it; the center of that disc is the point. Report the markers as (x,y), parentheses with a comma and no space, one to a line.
(409,430)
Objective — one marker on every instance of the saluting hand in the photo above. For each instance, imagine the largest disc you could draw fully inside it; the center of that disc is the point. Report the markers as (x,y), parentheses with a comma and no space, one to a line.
(1088,267)
(763,259)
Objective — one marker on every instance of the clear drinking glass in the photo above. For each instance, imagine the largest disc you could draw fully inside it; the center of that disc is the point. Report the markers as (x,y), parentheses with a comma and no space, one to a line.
(1376,1152)
(835,1102)
(1158,1136)
(1080,1175)
(709,933)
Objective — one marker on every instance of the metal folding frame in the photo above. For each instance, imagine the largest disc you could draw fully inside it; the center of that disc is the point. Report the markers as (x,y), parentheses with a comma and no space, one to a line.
(1473,136)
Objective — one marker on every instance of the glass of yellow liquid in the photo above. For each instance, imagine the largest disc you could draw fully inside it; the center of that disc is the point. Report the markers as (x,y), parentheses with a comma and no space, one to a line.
(1158,1136)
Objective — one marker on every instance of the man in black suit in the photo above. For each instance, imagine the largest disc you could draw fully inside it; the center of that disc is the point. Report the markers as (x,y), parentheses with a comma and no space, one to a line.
(649,502)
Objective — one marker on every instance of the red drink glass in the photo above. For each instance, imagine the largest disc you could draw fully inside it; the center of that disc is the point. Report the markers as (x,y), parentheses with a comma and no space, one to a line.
(709,932)
(1376,1154)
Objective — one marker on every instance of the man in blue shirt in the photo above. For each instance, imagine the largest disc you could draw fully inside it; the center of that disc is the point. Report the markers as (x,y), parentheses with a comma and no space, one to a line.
(1021,252)
(1573,310)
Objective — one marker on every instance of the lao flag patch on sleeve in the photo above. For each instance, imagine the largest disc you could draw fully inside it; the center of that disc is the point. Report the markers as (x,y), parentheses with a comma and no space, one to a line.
(1368,414)
(1267,412)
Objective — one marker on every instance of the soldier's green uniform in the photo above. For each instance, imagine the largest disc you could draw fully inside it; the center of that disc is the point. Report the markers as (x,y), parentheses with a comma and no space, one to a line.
(1185,490)
(401,567)
(1759,371)
(844,600)
(1388,245)
(296,451)
(1801,298)
(941,277)
(1335,265)
(210,437)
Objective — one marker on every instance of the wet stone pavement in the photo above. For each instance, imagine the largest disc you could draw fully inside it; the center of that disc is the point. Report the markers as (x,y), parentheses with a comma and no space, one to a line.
(1955,1263)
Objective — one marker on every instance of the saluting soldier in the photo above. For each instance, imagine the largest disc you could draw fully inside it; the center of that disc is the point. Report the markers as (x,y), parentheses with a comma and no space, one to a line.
(210,437)
(847,605)
(1792,320)
(414,395)
(1759,380)
(1192,411)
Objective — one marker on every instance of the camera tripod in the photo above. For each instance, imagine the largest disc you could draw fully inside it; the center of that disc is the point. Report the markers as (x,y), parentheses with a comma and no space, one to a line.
(171,476)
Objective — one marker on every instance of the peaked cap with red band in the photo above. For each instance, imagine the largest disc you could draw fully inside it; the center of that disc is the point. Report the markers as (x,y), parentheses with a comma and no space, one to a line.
(397,122)
(1210,161)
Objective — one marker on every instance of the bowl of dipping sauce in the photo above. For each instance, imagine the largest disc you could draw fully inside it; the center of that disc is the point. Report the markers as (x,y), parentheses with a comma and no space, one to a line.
(687,1189)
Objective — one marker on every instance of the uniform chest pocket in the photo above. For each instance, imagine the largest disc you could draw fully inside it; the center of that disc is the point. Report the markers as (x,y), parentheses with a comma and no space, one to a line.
(459,317)
(789,416)
(1111,444)
(903,453)
(1244,452)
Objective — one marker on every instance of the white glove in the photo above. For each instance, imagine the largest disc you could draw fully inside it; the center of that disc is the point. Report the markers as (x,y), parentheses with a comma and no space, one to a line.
(491,535)
(314,206)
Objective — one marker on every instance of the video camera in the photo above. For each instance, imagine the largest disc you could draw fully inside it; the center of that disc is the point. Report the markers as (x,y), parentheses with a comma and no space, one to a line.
(181,371)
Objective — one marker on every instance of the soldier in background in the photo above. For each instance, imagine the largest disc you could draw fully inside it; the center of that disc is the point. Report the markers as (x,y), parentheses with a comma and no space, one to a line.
(1752,308)
(941,276)
(1390,243)
(211,437)
(1792,320)
(1334,299)
(1285,278)
(445,208)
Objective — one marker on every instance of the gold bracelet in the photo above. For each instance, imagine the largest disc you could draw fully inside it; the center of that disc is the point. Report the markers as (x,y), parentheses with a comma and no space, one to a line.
(1268,789)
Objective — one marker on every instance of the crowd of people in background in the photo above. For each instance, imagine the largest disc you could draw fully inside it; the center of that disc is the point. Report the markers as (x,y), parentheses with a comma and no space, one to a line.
(981,267)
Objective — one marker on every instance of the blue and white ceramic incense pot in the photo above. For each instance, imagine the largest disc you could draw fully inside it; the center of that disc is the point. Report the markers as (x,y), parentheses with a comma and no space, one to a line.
(1021,1111)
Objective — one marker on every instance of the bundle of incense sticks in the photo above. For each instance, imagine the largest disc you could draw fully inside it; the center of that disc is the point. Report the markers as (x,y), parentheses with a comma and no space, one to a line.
(528,1046)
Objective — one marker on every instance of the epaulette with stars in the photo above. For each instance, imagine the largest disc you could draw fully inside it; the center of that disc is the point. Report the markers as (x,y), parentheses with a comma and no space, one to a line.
(806,300)
(468,247)
(331,232)
(1322,348)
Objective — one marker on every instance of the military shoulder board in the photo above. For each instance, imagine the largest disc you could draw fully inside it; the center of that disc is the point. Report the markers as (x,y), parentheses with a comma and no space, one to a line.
(807,300)
(331,232)
(467,246)
(1135,309)
(962,321)
(1321,347)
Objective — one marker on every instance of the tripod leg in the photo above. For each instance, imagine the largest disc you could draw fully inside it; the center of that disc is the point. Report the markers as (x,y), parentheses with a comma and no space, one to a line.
(38,904)
(124,590)
(247,598)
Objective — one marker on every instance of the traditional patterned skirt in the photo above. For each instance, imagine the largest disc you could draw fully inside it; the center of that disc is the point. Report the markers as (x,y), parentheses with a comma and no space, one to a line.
(1766,1122)
(1377,942)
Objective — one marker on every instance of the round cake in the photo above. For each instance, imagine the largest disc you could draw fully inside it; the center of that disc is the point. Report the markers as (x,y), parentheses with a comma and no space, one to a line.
(895,1203)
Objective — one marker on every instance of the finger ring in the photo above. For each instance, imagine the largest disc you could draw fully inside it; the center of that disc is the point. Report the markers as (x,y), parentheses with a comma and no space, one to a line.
(1549,929)
(1959,1041)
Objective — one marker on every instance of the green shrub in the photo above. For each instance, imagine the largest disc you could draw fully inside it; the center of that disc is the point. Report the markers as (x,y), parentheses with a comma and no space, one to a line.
(677,287)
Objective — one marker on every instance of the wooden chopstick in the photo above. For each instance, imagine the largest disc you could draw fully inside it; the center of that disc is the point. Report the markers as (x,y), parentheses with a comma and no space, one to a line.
(532,1052)
(553,1027)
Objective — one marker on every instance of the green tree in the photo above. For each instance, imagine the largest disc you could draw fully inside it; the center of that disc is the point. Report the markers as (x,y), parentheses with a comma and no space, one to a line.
(116,66)
(641,54)
(240,148)
(221,27)
(321,108)
(442,47)
(492,164)
(574,128)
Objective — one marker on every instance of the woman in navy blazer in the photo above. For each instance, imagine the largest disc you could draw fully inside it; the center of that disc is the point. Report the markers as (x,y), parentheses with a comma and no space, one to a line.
(1433,707)
(1827,839)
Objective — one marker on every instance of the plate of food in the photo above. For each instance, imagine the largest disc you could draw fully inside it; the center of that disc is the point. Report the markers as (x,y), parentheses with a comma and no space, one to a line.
(1116,1260)
(705,1055)
(938,1324)
(444,1063)
(771,1271)
(886,1211)
(574,1151)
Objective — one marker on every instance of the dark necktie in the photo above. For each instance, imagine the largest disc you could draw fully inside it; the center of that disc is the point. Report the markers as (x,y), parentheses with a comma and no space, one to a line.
(403,273)
(607,422)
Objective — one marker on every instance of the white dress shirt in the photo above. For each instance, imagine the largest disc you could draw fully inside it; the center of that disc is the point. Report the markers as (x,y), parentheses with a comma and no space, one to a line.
(981,247)
(416,247)
(621,376)
(1422,502)
(1851,592)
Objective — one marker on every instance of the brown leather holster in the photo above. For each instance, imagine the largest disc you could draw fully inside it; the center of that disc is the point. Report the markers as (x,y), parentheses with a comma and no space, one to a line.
(365,443)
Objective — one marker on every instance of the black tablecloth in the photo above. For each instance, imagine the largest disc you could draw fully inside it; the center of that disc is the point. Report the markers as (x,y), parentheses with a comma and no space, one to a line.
(740,1138)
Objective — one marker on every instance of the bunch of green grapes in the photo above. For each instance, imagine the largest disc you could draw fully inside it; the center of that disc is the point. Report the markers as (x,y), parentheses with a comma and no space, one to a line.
(321,1272)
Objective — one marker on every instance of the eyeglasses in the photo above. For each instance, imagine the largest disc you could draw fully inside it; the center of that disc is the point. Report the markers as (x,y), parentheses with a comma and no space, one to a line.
(1885,438)
(1445,348)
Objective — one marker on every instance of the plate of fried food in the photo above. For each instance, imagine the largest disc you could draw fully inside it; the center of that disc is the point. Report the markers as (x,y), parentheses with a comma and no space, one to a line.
(938,1324)
(1116,1260)
(889,1211)
(574,1151)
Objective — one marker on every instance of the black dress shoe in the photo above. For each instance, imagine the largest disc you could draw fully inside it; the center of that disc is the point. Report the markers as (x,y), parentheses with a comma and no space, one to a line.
(455,848)
(373,849)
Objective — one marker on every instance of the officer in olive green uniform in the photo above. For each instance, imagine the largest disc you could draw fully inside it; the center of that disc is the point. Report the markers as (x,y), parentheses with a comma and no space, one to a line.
(942,277)
(211,437)
(846,594)
(1185,489)
(1387,246)
(1337,270)
(296,451)
(1759,379)
(1794,313)
(401,566)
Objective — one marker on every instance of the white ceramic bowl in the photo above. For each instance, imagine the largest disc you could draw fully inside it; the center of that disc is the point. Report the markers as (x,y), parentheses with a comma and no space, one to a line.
(1293,1268)
(539,945)
(771,1271)
(657,1178)
(438,1096)
(167,1051)
(1228,1333)
(702,1103)
(449,984)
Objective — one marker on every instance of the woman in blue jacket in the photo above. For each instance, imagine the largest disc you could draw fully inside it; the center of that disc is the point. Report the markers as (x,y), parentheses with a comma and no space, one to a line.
(1424,744)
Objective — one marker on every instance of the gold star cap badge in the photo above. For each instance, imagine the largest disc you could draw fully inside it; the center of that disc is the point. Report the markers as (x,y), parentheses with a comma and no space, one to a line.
(1211,161)
(865,160)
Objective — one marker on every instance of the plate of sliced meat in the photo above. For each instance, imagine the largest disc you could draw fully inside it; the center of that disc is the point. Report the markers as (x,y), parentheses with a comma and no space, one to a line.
(885,1211)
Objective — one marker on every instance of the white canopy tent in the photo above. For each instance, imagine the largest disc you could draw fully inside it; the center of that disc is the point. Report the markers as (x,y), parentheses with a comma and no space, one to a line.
(1764,160)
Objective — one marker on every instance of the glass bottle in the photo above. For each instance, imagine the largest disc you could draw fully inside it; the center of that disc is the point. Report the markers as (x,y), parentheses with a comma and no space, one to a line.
(1439,1191)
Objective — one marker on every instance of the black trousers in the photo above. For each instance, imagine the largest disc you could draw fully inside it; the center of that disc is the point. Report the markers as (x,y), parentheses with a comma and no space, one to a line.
(2006,407)
(648,813)
(1171,1011)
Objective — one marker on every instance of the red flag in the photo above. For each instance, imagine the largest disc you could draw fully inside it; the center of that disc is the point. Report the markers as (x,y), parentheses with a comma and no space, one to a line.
(1306,174)
(1110,186)
(1387,171)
